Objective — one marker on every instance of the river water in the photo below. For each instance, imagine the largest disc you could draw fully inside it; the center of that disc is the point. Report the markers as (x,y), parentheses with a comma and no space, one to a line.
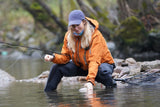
(23,94)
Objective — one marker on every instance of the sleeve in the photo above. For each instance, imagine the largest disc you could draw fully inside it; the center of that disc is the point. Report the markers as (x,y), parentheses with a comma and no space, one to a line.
(65,56)
(95,58)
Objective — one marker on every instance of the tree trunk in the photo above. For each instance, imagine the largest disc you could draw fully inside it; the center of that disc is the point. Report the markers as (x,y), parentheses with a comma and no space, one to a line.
(43,14)
(89,12)
(61,9)
(124,9)
(98,15)
(145,6)
(52,15)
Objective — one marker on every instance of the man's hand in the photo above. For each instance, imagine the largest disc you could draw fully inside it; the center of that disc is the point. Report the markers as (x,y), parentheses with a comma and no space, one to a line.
(48,57)
(89,86)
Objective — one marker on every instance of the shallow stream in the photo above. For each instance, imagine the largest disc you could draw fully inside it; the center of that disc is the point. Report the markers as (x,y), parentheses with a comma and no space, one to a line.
(23,94)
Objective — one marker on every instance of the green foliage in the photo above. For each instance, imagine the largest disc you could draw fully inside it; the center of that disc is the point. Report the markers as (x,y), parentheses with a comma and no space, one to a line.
(54,5)
(101,14)
(73,4)
(144,5)
(35,6)
(154,31)
(42,16)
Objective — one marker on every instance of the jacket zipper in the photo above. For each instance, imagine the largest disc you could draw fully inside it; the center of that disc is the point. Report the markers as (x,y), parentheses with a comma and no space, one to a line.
(78,58)
(85,57)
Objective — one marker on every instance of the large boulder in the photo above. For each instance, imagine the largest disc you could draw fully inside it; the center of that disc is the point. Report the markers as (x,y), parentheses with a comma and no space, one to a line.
(131,37)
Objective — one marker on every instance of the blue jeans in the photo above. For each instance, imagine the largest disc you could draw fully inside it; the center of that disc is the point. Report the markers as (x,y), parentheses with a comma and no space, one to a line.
(57,71)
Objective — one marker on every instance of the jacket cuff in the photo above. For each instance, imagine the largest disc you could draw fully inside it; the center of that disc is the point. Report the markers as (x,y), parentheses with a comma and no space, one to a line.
(92,81)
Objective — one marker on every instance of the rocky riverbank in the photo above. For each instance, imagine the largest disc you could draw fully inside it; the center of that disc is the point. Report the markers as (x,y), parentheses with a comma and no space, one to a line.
(126,69)
(137,73)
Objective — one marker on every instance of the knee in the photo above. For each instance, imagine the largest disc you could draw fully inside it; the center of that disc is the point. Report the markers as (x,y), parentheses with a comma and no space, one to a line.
(55,70)
(107,67)
(55,67)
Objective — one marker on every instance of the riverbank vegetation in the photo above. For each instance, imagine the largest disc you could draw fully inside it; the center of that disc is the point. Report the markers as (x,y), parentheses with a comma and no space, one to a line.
(133,26)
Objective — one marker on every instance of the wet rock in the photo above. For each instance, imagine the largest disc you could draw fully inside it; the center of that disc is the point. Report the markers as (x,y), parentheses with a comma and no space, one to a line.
(135,69)
(120,71)
(124,71)
(130,61)
(135,72)
(5,77)
(154,70)
(147,72)
(42,78)
(118,62)
(150,65)
(128,66)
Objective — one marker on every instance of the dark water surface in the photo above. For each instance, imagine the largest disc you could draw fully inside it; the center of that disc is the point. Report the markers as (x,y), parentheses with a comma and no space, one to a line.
(24,94)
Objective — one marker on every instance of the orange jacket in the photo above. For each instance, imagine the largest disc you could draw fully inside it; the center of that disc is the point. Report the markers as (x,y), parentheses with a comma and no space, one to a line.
(88,59)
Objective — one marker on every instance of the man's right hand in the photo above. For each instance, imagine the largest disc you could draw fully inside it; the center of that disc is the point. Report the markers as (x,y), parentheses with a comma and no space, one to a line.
(48,57)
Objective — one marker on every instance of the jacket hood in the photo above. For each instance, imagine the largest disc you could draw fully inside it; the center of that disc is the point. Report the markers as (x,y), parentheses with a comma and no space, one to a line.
(94,22)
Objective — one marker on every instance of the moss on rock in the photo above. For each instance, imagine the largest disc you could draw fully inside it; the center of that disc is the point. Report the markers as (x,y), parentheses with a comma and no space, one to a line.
(131,32)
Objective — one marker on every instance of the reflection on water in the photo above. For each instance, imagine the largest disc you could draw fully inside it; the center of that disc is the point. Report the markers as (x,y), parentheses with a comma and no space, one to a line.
(73,98)
(31,94)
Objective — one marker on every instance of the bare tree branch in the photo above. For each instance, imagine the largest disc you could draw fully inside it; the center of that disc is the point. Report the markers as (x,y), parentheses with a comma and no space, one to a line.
(43,14)
(96,14)
(55,18)
(124,9)
(86,9)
